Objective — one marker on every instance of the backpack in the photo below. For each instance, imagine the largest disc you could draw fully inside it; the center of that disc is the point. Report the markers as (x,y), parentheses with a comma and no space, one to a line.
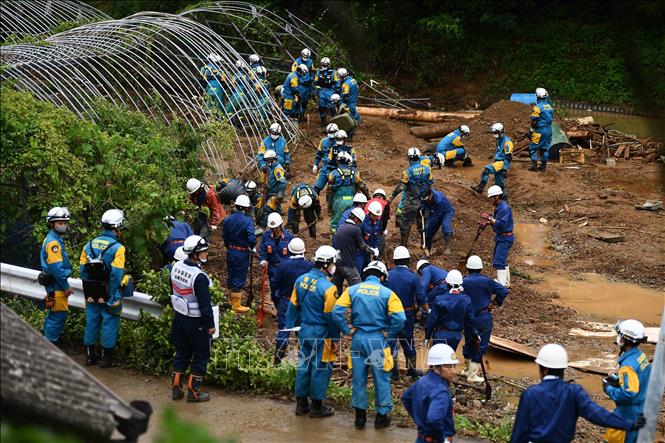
(97,284)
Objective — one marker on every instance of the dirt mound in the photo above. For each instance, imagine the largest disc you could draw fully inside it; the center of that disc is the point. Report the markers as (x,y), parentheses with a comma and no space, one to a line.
(515,117)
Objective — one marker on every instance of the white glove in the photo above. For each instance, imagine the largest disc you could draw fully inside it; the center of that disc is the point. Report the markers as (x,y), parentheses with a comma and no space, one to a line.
(385,232)
(375,252)
(314,169)
(253,250)
(213,227)
(263,263)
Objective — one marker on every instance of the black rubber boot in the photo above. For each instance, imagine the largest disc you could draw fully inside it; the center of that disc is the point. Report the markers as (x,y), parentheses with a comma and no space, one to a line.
(361,418)
(543,166)
(534,165)
(411,367)
(477,188)
(176,382)
(194,393)
(107,358)
(467,161)
(448,242)
(318,410)
(90,356)
(381,421)
(394,373)
(302,406)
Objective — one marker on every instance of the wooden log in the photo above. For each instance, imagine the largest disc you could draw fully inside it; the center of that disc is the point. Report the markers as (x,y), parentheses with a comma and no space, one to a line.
(619,151)
(434,131)
(424,116)
(578,134)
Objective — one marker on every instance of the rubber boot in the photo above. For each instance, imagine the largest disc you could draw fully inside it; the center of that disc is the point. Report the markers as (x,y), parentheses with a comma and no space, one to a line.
(448,242)
(381,421)
(90,356)
(404,236)
(394,373)
(474,373)
(361,418)
(507,276)
(302,406)
(502,276)
(534,165)
(477,188)
(235,303)
(318,410)
(467,161)
(412,371)
(194,393)
(107,358)
(176,382)
(543,166)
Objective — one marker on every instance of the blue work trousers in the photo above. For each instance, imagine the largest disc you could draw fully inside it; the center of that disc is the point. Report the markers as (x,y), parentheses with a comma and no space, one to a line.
(541,140)
(451,338)
(272,274)
(282,338)
(370,350)
(99,319)
(54,324)
(237,266)
(484,326)
(405,337)
(502,245)
(192,344)
(445,221)
(312,375)
(499,177)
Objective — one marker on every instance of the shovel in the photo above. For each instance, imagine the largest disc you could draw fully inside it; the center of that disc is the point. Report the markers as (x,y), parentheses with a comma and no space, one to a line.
(462,264)
(488,388)
(250,298)
(423,244)
(261,313)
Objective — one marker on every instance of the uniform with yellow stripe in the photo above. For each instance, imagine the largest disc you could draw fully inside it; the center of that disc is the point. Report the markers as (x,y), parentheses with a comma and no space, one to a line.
(275,189)
(215,79)
(343,182)
(378,316)
(629,396)
(312,301)
(541,130)
(55,262)
(104,317)
(291,90)
(281,148)
(502,158)
(452,146)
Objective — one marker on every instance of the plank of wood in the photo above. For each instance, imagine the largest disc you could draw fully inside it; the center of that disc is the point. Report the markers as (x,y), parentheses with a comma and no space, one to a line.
(619,151)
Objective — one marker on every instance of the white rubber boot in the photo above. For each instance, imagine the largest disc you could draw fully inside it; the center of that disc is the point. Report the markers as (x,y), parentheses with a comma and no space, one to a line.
(474,370)
(508,276)
(502,276)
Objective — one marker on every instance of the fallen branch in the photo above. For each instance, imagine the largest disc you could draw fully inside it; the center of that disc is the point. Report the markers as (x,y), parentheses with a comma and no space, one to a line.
(406,114)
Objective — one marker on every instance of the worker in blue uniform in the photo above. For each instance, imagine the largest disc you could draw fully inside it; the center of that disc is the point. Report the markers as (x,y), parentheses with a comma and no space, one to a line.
(502,224)
(285,277)
(215,82)
(452,147)
(275,187)
(292,89)
(485,294)
(275,141)
(343,183)
(359,201)
(428,401)
(502,158)
(451,313)
(254,61)
(377,316)
(548,411)
(305,59)
(322,166)
(349,89)
(56,269)
(627,387)
(102,267)
(406,284)
(240,240)
(341,145)
(439,213)
(312,301)
(193,322)
(273,250)
(371,231)
(541,130)
(303,199)
(179,231)
(326,82)
(431,276)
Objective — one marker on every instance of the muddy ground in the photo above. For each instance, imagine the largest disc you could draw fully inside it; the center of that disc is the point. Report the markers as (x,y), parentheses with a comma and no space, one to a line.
(560,276)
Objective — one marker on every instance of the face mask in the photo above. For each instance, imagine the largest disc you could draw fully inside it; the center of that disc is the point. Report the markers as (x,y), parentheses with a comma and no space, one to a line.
(331,135)
(203,260)
(274,136)
(339,142)
(331,269)
(496,136)
(61,229)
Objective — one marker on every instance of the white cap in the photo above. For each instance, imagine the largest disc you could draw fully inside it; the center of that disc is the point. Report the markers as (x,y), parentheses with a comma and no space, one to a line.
(359,198)
(494,190)
(305,201)
(552,356)
(296,246)
(454,278)
(58,214)
(179,254)
(193,185)
(441,354)
(113,218)
(465,129)
(375,208)
(380,191)
(421,263)
(401,252)
(377,265)
(541,92)
(269,154)
(474,262)
(359,213)
(243,201)
(274,220)
(326,254)
(631,329)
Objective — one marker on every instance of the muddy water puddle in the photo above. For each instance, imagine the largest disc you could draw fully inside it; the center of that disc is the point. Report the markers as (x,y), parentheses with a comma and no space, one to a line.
(532,237)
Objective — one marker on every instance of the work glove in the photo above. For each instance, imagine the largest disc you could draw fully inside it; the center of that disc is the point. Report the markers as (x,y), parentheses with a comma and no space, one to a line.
(263,263)
(253,251)
(49,301)
(213,227)
(486,215)
(314,169)
(639,422)
(478,339)
(385,232)
(375,252)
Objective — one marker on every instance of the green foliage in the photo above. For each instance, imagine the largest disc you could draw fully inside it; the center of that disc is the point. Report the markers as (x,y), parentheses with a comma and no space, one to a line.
(33,434)
(496,433)
(175,430)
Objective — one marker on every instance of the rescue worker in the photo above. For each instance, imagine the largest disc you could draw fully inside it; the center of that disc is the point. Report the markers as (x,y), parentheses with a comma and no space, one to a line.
(56,268)
(178,255)
(321,163)
(628,387)
(480,290)
(416,179)
(326,82)
(341,146)
(380,197)
(349,94)
(371,231)
(359,201)
(239,238)
(292,89)
(229,189)
(541,130)
(255,199)
(452,147)
(305,199)
(273,250)
(242,85)
(179,231)
(451,313)
(275,187)
(201,194)
(255,62)
(285,277)
(502,158)
(305,59)
(193,322)
(214,81)
(344,181)
(377,317)
(502,224)
(429,402)
(348,240)
(431,276)
(102,267)
(439,214)
(406,285)
(275,141)
(549,410)
(312,302)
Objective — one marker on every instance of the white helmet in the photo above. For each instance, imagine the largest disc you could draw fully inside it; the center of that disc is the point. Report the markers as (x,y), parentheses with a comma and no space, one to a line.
(193,244)
(193,185)
(359,198)
(303,69)
(113,218)
(441,157)
(296,246)
(454,278)
(358,213)
(413,153)
(58,214)
(305,201)
(243,201)
(380,192)
(214,57)
(341,135)
(335,98)
(377,265)
(275,128)
(464,129)
(474,262)
(630,329)
(305,53)
(494,190)
(342,157)
(342,72)
(331,129)
(254,58)
(441,354)
(421,264)
(496,128)
(552,356)
(375,208)
(179,254)
(541,93)
(250,186)
(269,154)
(326,254)
(261,71)
(274,220)
(325,61)
(240,64)
(400,253)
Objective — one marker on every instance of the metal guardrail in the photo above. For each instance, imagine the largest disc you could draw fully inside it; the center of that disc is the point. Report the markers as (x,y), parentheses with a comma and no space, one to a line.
(23,281)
